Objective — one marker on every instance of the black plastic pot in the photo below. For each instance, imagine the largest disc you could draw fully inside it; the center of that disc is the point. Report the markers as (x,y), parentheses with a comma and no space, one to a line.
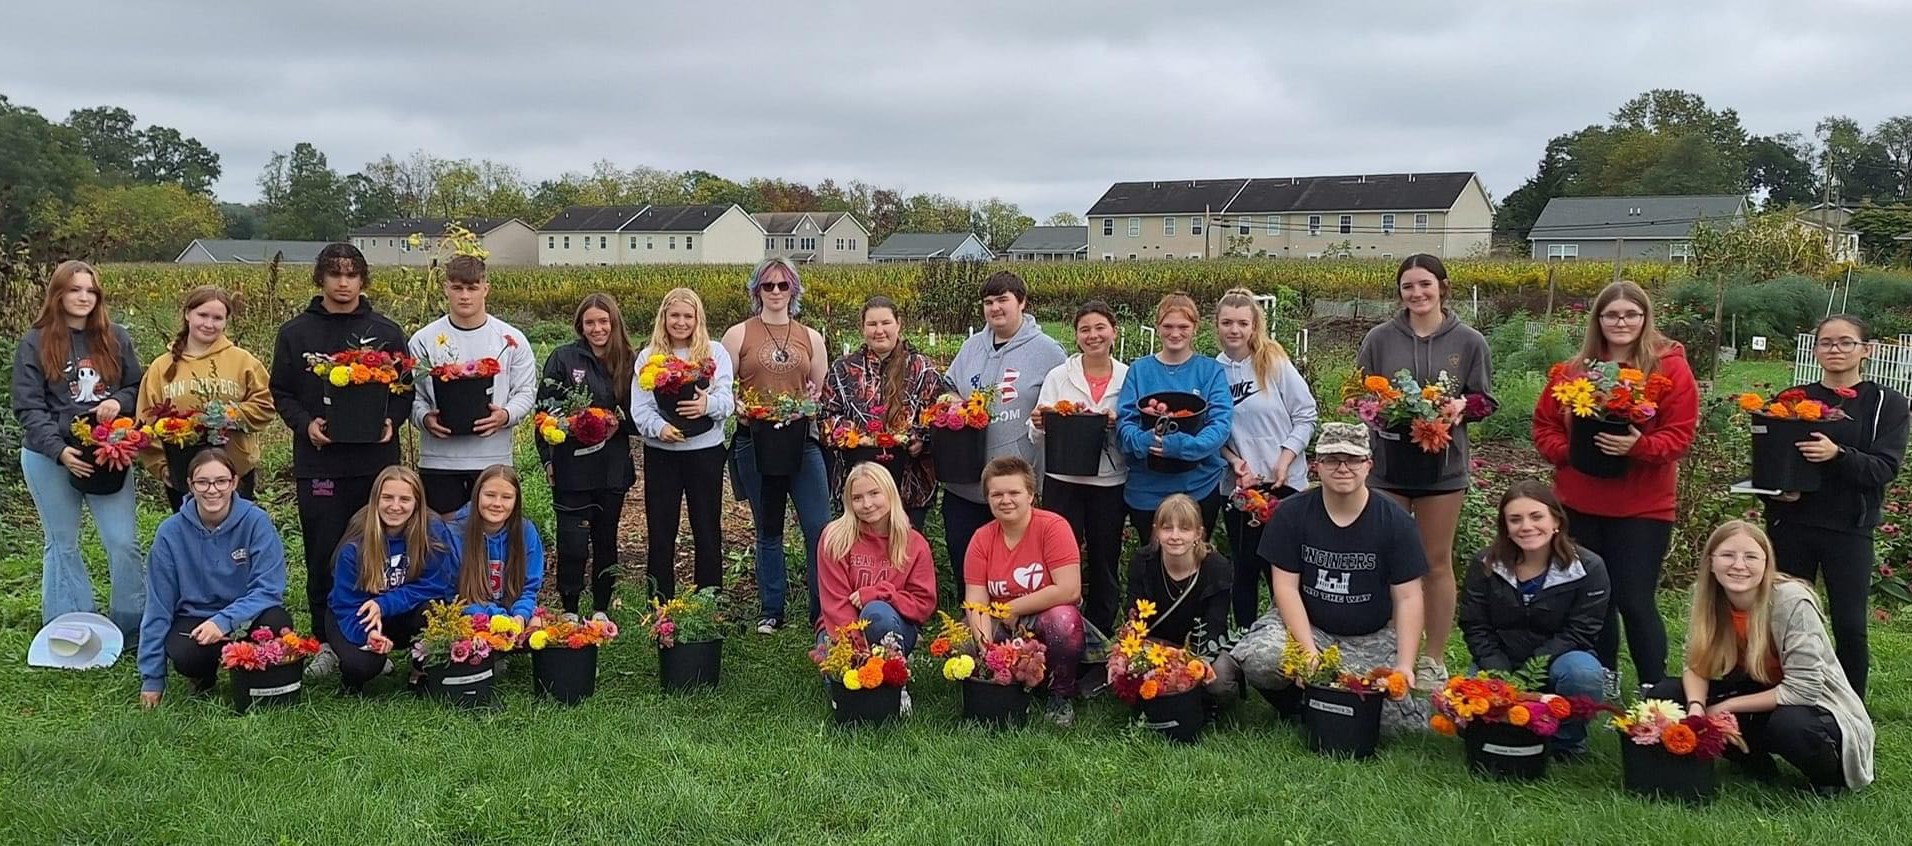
(279,685)
(568,676)
(461,402)
(103,482)
(1169,424)
(1340,723)
(1408,465)
(1508,752)
(1777,464)
(865,707)
(1178,718)
(1654,772)
(958,454)
(690,666)
(1586,456)
(995,705)
(1072,444)
(667,400)
(893,459)
(779,449)
(463,685)
(355,414)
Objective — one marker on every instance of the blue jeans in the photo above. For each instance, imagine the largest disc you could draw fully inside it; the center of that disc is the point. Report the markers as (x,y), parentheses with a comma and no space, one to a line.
(1576,673)
(809,489)
(884,620)
(64,583)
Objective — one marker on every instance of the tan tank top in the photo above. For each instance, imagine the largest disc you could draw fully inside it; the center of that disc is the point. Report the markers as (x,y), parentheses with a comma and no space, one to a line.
(775,358)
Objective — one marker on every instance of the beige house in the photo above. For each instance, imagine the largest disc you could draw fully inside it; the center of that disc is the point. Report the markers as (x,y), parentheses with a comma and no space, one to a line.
(1830,221)
(696,234)
(509,241)
(1361,216)
(820,237)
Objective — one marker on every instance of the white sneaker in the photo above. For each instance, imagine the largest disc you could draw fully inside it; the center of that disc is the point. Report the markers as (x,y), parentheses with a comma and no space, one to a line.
(388,668)
(323,664)
(904,710)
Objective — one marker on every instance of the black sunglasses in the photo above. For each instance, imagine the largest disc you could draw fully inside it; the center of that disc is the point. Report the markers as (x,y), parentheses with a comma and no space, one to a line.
(774,286)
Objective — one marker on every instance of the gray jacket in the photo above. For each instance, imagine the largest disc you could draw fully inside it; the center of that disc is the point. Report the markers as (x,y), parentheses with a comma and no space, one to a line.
(1813,676)
(1017,370)
(1454,348)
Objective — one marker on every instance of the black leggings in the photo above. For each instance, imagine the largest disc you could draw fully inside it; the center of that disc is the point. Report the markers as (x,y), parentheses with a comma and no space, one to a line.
(176,497)
(1144,521)
(694,479)
(326,507)
(200,664)
(1847,562)
(1251,570)
(1634,549)
(446,491)
(1805,736)
(1095,513)
(358,665)
(587,531)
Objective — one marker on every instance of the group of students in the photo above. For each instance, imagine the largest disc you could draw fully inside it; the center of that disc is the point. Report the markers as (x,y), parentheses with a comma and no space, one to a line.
(1573,565)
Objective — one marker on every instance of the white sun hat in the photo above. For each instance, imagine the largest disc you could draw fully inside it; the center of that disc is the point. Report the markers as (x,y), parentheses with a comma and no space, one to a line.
(80,640)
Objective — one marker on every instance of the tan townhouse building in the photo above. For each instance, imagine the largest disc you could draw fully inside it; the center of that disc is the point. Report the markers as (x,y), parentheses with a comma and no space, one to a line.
(819,237)
(645,234)
(507,240)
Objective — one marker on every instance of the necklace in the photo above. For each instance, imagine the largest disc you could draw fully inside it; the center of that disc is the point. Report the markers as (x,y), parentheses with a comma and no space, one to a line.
(781,350)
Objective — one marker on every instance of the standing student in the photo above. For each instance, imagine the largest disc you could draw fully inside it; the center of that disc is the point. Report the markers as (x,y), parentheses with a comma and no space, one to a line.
(685,470)
(1273,421)
(500,555)
(1831,529)
(1026,559)
(334,479)
(1174,369)
(217,568)
(76,362)
(450,463)
(775,354)
(587,494)
(884,387)
(1427,339)
(1091,378)
(397,557)
(875,567)
(1013,356)
(1757,648)
(1627,520)
(203,364)
(1190,584)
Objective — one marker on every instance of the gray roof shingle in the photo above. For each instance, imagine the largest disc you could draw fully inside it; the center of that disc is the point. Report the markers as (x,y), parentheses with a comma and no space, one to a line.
(1184,196)
(785,223)
(1356,192)
(1606,218)
(920,245)
(590,219)
(1052,239)
(428,226)
(230,251)
(675,218)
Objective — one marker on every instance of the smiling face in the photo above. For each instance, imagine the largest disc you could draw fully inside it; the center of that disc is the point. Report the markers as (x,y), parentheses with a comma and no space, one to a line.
(1621,323)
(212,485)
(1009,498)
(596,323)
(680,323)
(1094,335)
(881,329)
(81,296)
(1003,313)
(1177,537)
(1420,291)
(1342,474)
(496,500)
(1530,523)
(396,503)
(207,322)
(1176,330)
(1234,325)
(868,502)
(1740,567)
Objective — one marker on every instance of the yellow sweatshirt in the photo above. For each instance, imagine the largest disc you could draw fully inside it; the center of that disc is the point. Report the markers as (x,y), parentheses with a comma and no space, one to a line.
(225,372)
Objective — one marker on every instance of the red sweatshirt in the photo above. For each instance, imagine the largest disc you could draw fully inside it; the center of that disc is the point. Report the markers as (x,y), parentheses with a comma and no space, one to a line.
(866,569)
(1647,490)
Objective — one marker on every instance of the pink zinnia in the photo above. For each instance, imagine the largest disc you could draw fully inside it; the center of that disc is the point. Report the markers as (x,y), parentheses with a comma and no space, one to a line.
(480,650)
(261,634)
(460,651)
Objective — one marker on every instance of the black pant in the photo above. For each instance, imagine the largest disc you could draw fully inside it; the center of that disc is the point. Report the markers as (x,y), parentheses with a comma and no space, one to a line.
(1847,561)
(961,519)
(358,665)
(201,663)
(587,531)
(1095,513)
(1251,570)
(326,507)
(1805,736)
(1144,521)
(175,497)
(1634,549)
(446,491)
(695,480)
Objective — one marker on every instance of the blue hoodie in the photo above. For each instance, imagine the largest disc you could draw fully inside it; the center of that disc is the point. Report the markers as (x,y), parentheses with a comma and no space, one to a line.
(1199,375)
(399,595)
(228,574)
(524,604)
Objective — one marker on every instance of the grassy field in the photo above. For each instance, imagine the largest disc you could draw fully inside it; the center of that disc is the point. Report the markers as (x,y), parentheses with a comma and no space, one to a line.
(756,761)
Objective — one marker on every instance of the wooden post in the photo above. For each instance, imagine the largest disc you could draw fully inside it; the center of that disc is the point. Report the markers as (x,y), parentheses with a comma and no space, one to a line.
(1550,287)
(1619,247)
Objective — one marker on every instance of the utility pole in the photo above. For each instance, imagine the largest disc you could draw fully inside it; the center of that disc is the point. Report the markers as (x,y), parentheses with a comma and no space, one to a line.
(1619,248)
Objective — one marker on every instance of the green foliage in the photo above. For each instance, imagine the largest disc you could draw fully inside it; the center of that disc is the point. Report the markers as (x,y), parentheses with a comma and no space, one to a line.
(1518,391)
(1884,298)
(1778,309)
(137,222)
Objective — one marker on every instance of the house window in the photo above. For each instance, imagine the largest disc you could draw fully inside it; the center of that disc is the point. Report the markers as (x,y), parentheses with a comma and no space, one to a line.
(1131,257)
(1194,255)
(1194,225)
(1314,225)
(407,246)
(687,241)
(839,244)
(852,243)
(1563,251)
(1135,227)
(567,242)
(1420,223)
(1168,226)
(1347,224)
(1387,224)
(1679,251)
(1108,227)
(550,242)
(1108,256)
(810,244)
(789,243)
(587,243)
(1274,224)
(673,242)
(650,243)
(604,242)
(633,242)
(1386,256)
(1242,225)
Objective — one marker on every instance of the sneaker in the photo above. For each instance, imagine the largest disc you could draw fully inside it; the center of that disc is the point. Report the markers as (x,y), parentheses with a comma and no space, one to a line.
(387,670)
(1610,685)
(1062,711)
(769,625)
(323,664)
(1429,675)
(904,709)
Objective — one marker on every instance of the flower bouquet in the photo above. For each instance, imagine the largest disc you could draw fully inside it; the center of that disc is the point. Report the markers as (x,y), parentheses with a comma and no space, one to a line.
(461,388)
(959,431)
(1778,426)
(1604,397)
(570,425)
(779,425)
(996,677)
(1164,681)
(872,443)
(111,448)
(1341,709)
(865,679)
(1414,422)
(1666,752)
(359,382)
(266,668)
(1073,438)
(564,653)
(183,434)
(672,380)
(456,651)
(689,633)
(1258,502)
(1508,729)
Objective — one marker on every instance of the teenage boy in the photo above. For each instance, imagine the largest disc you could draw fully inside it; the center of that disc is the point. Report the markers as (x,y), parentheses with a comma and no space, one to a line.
(449,463)
(334,479)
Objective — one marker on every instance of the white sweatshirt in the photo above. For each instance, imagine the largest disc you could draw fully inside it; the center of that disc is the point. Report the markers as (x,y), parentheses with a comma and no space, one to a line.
(1067,382)
(1266,421)
(515,389)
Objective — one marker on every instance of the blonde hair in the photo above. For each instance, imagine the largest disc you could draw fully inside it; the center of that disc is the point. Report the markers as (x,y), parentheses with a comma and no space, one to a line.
(1712,646)
(1266,353)
(841,533)
(1177,302)
(1650,346)
(1181,510)
(699,335)
(368,532)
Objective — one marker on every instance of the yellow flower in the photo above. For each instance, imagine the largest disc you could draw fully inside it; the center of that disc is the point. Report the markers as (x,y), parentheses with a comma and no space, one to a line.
(339,377)
(539,638)
(657,359)
(959,668)
(505,625)
(1158,654)
(851,681)
(554,436)
(442,340)
(1144,609)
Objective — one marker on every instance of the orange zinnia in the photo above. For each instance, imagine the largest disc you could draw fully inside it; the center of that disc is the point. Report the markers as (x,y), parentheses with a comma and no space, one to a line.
(871,674)
(1150,689)
(1518,715)
(1631,376)
(1809,410)
(1560,707)
(1377,384)
(1779,410)
(1679,739)
(1750,402)
(1441,725)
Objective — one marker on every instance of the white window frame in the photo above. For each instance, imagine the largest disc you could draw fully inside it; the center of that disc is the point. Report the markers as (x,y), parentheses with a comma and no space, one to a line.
(1387,224)
(689,241)
(1108,257)
(769,243)
(567,242)
(1131,257)
(1168,226)
(1194,224)
(673,242)
(1274,224)
(790,243)
(650,242)
(1314,227)
(1135,227)
(550,242)
(1244,225)
(1420,223)
(1194,255)
(1347,224)
(1108,227)
(839,244)
(1562,252)
(604,242)
(1680,251)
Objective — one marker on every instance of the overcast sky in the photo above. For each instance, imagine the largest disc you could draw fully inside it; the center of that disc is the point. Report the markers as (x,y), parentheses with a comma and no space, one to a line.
(1043,103)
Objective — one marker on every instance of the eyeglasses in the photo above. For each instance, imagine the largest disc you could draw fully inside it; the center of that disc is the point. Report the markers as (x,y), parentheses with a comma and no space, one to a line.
(1622,318)
(1840,345)
(1339,461)
(1730,557)
(773,286)
(210,485)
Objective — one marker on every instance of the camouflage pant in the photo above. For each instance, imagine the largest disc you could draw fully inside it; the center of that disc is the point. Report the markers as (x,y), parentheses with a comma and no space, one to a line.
(1259,654)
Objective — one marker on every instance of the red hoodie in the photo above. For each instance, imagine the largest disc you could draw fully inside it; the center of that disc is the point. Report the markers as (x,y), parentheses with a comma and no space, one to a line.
(1648,488)
(911,589)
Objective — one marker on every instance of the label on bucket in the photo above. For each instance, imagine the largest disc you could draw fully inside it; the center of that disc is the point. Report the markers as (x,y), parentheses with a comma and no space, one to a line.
(281,690)
(1331,708)
(1759,428)
(597,447)
(1169,724)
(1513,751)
(474,678)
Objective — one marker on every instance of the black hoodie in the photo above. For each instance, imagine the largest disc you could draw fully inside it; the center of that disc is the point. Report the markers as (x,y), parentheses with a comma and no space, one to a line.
(574,363)
(300,394)
(1873,443)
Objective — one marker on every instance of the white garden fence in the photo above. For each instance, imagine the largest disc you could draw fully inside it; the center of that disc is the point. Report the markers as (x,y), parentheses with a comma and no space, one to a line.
(1890,364)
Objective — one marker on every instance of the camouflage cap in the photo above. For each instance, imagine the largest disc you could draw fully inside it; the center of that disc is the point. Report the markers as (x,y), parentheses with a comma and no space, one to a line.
(1343,438)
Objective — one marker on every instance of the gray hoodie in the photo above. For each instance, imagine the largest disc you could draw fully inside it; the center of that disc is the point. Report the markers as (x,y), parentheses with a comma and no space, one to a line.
(1017,370)
(1454,348)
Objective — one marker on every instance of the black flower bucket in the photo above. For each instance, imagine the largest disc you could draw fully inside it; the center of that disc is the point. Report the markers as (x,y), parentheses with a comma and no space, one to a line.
(1168,424)
(667,400)
(1506,752)
(1653,772)
(566,676)
(690,666)
(178,458)
(995,705)
(461,402)
(864,707)
(1340,723)
(958,454)
(1585,455)
(463,685)
(273,686)
(1777,464)
(1408,465)
(1072,444)
(355,414)
(1178,718)
(893,459)
(779,448)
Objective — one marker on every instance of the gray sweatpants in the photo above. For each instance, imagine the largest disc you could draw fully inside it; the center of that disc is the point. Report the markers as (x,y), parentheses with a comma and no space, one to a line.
(1259,654)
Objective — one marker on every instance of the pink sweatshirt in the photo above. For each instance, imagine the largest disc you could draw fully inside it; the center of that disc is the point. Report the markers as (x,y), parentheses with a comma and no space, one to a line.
(911,589)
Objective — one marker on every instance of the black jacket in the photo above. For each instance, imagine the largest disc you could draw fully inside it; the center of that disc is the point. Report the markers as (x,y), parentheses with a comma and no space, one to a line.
(1504,632)
(613,469)
(300,395)
(1851,498)
(1207,601)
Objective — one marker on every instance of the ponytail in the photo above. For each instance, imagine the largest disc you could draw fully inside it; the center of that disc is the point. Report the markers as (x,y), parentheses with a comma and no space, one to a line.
(1266,354)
